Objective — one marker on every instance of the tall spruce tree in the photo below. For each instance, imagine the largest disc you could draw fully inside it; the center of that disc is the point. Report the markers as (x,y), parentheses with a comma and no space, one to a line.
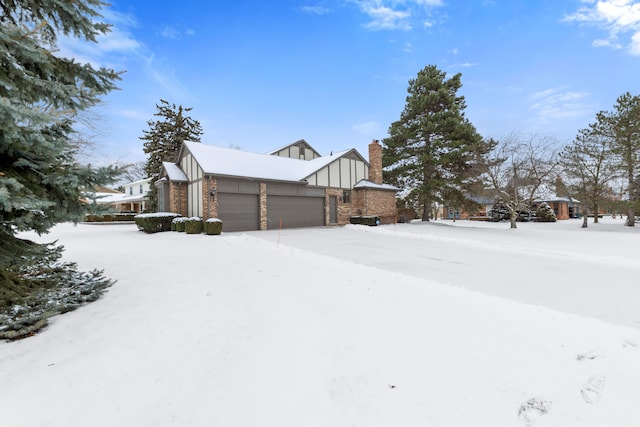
(622,126)
(41,183)
(433,151)
(163,140)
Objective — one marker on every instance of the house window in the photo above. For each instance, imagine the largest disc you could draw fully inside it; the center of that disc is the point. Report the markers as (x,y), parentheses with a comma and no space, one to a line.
(140,188)
(131,191)
(346,196)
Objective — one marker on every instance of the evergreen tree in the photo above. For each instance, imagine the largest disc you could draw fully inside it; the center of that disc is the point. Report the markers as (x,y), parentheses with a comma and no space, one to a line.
(622,126)
(433,151)
(589,166)
(41,183)
(544,213)
(163,140)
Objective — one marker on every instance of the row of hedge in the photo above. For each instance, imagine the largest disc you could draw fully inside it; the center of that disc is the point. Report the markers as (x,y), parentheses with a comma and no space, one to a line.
(365,220)
(196,225)
(168,221)
(110,217)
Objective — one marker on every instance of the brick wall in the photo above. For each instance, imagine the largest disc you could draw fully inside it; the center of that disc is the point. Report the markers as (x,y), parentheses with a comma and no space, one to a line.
(178,197)
(372,202)
(375,161)
(263,206)
(209,203)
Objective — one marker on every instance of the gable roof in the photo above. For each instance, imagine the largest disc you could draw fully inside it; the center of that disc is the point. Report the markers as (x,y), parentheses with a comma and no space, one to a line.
(365,183)
(298,143)
(174,173)
(244,164)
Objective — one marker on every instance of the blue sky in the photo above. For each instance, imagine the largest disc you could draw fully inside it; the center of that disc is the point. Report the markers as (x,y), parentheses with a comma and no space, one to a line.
(260,75)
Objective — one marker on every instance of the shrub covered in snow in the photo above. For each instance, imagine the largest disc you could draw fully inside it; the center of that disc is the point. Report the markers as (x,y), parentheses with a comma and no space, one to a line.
(155,222)
(41,286)
(193,225)
(213,226)
(177,224)
(544,213)
(499,211)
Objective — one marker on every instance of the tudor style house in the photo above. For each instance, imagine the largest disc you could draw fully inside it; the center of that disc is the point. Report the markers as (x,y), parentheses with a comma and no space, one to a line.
(293,186)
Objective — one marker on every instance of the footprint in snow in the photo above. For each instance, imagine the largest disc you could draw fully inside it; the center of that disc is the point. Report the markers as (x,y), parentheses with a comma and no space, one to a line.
(590,355)
(630,344)
(592,390)
(533,409)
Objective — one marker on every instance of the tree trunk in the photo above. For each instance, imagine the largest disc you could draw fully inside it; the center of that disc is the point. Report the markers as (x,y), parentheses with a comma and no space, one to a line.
(512,219)
(631,218)
(595,212)
(426,210)
(584,221)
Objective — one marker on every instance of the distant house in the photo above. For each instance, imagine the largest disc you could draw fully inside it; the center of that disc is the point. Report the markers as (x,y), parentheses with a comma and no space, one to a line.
(563,207)
(132,199)
(481,212)
(293,186)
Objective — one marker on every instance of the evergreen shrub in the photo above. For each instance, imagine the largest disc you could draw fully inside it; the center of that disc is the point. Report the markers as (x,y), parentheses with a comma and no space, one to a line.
(179,224)
(544,213)
(213,226)
(193,225)
(155,222)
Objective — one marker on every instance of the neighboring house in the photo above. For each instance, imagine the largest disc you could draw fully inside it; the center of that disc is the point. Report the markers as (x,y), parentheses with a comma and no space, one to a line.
(481,212)
(132,199)
(563,207)
(292,186)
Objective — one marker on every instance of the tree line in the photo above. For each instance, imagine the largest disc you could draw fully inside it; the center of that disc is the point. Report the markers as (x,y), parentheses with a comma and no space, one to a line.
(436,155)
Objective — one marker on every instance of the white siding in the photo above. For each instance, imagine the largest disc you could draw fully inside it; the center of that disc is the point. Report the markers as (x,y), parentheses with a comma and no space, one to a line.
(295,152)
(345,175)
(334,174)
(323,178)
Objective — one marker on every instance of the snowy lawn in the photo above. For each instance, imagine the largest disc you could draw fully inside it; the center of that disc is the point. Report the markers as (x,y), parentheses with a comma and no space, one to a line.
(441,324)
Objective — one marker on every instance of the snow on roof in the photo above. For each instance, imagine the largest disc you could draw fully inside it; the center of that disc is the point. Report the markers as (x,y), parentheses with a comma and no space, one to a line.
(231,162)
(174,172)
(298,142)
(365,183)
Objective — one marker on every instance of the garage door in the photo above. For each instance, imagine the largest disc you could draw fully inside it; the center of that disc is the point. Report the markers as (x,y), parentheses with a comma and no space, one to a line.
(239,212)
(295,211)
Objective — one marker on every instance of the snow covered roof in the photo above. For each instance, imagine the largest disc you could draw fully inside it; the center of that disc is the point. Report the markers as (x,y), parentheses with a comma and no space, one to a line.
(365,183)
(231,162)
(297,143)
(174,172)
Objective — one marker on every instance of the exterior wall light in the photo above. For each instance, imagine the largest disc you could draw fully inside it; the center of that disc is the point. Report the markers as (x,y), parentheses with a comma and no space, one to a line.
(213,193)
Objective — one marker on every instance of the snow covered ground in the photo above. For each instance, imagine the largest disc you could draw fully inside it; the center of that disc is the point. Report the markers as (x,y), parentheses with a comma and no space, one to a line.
(440,324)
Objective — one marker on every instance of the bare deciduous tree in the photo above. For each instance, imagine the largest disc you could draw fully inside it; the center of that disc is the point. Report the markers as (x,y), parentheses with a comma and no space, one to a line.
(517,169)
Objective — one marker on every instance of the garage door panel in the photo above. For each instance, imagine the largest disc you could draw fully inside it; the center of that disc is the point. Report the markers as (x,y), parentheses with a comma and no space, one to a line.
(295,211)
(239,212)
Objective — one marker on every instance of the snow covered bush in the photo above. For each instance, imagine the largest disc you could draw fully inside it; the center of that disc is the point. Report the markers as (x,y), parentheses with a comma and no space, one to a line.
(213,226)
(193,225)
(499,211)
(544,213)
(177,223)
(155,222)
(41,286)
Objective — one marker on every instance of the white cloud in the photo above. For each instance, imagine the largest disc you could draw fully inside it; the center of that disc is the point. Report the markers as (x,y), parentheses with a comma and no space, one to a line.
(618,17)
(118,42)
(369,128)
(166,78)
(170,33)
(315,10)
(385,18)
(397,14)
(557,103)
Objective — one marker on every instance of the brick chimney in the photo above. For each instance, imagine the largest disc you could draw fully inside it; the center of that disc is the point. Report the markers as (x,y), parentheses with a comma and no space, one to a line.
(375,161)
